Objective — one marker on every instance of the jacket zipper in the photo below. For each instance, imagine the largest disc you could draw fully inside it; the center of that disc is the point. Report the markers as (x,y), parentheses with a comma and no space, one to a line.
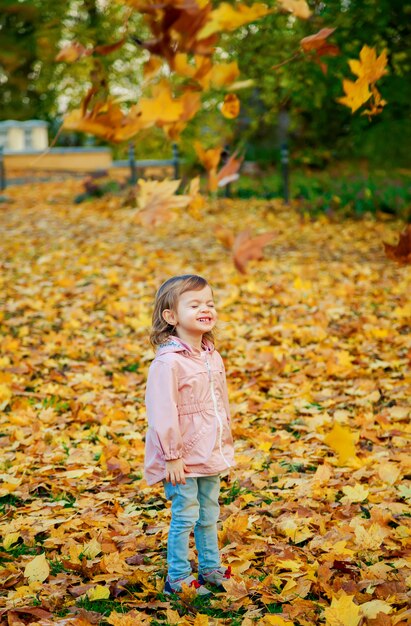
(220,423)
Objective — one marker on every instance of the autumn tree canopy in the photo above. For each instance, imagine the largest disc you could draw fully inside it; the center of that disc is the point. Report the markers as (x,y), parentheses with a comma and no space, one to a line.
(255,46)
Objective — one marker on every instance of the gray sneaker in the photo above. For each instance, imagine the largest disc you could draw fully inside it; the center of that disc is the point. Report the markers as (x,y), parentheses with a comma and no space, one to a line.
(190,581)
(216,576)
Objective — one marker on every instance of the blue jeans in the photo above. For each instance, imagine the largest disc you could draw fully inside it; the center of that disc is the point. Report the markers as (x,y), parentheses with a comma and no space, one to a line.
(194,504)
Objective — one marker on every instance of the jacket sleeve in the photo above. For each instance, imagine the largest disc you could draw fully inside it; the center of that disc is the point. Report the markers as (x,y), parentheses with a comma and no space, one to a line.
(161,406)
(225,393)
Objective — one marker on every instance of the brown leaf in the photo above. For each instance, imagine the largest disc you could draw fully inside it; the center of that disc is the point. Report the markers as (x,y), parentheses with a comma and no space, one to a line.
(316,41)
(229,172)
(247,248)
(401,253)
(111,47)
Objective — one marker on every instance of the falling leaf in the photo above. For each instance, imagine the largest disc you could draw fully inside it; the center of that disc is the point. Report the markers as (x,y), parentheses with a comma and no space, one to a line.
(209,158)
(230,170)
(316,41)
(224,74)
(369,67)
(356,94)
(227,18)
(156,200)
(298,7)
(38,569)
(247,248)
(231,106)
(162,108)
(73,52)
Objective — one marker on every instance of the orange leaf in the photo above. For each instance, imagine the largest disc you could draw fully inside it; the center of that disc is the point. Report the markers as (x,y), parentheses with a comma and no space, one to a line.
(224,236)
(106,120)
(247,248)
(73,52)
(402,251)
(231,106)
(229,171)
(209,158)
(316,41)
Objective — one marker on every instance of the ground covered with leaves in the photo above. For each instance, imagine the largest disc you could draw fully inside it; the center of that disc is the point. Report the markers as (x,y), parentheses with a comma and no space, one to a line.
(315,519)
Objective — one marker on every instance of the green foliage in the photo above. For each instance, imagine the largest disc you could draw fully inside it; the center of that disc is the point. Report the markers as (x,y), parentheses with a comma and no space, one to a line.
(346,193)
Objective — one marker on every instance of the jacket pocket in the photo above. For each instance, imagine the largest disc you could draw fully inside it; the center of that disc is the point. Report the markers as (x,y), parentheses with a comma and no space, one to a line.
(194,429)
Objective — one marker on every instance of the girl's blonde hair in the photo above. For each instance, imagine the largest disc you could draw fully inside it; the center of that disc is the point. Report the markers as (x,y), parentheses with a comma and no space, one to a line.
(167,298)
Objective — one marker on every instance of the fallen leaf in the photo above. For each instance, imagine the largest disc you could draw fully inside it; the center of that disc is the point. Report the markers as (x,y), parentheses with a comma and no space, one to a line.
(38,569)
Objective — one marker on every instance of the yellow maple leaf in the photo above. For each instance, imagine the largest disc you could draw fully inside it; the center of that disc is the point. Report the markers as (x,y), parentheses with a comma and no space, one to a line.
(356,93)
(358,493)
(91,549)
(38,569)
(370,538)
(162,107)
(342,612)
(235,589)
(226,17)
(223,74)
(294,531)
(342,441)
(369,67)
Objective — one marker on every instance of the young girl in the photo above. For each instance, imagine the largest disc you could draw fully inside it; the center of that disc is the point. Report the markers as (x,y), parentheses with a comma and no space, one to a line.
(189,441)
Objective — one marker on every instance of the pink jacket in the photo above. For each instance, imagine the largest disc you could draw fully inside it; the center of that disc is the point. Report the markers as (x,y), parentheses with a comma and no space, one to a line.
(188,411)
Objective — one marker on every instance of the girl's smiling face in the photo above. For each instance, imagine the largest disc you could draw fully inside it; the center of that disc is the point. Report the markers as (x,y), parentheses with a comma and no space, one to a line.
(194,316)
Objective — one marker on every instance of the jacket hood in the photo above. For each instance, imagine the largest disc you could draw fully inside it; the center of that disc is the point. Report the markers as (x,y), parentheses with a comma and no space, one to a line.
(175,344)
